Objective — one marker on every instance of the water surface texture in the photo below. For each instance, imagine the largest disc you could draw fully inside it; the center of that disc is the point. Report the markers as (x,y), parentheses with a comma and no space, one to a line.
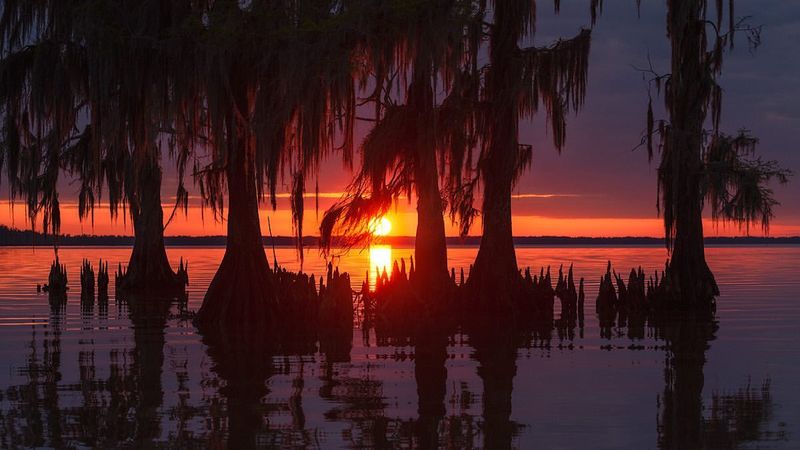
(123,377)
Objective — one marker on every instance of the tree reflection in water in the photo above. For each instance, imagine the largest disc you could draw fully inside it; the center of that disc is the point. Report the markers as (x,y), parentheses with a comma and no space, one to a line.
(121,410)
(430,373)
(149,318)
(496,353)
(125,407)
(734,419)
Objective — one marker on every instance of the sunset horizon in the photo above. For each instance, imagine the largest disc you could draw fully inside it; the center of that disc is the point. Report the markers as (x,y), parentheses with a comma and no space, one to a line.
(200,222)
(399,224)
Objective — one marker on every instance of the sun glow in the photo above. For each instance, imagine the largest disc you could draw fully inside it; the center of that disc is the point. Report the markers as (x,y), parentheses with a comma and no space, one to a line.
(380,226)
(380,260)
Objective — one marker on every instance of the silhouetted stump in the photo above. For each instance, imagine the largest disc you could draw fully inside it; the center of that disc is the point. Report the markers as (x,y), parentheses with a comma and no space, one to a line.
(569,297)
(87,284)
(102,283)
(606,294)
(56,286)
(397,305)
(183,272)
(641,300)
(335,300)
(401,301)
(537,296)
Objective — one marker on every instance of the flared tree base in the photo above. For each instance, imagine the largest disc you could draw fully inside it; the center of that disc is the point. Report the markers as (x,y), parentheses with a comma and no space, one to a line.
(695,288)
(495,285)
(136,281)
(241,300)
(172,287)
(247,303)
(494,293)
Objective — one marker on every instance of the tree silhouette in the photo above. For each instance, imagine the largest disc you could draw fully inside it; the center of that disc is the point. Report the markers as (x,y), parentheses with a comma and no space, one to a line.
(518,82)
(421,44)
(268,85)
(83,91)
(699,165)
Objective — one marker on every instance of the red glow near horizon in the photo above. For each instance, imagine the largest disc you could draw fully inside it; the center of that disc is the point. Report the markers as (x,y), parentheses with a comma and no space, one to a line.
(402,221)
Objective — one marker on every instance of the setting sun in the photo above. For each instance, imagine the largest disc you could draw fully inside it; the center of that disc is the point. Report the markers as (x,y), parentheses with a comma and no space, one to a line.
(381,226)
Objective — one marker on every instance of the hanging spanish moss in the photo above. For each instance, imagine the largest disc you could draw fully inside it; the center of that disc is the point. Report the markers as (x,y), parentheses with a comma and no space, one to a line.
(697,164)
(422,47)
(518,82)
(85,92)
(270,91)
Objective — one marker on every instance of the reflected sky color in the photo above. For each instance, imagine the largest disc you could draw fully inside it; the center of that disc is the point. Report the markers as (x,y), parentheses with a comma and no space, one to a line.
(565,393)
(380,259)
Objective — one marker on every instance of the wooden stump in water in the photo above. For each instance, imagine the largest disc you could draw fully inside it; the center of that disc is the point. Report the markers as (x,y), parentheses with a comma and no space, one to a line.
(87,283)
(403,299)
(569,297)
(56,286)
(639,301)
(183,272)
(102,283)
(335,300)
(397,305)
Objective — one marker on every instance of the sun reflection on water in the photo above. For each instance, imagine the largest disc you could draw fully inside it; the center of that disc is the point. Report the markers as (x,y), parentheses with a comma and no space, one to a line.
(380,258)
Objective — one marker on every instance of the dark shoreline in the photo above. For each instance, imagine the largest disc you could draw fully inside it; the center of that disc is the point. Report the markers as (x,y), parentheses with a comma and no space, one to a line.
(10,237)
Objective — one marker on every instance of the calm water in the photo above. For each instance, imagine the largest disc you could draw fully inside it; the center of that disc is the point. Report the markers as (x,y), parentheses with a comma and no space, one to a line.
(114,378)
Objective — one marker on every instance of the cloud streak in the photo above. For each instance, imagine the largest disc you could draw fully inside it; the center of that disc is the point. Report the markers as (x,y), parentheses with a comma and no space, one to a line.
(531,195)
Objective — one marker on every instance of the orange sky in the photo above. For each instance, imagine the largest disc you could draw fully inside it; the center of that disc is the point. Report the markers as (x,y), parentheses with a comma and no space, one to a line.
(403,219)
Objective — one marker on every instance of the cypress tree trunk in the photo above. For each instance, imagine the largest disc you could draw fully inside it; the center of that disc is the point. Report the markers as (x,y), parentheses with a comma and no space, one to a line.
(430,246)
(495,275)
(148,269)
(495,272)
(241,297)
(690,277)
(682,167)
(240,302)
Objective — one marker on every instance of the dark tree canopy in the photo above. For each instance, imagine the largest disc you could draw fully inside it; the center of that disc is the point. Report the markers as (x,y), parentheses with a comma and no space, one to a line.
(421,51)
(734,181)
(85,90)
